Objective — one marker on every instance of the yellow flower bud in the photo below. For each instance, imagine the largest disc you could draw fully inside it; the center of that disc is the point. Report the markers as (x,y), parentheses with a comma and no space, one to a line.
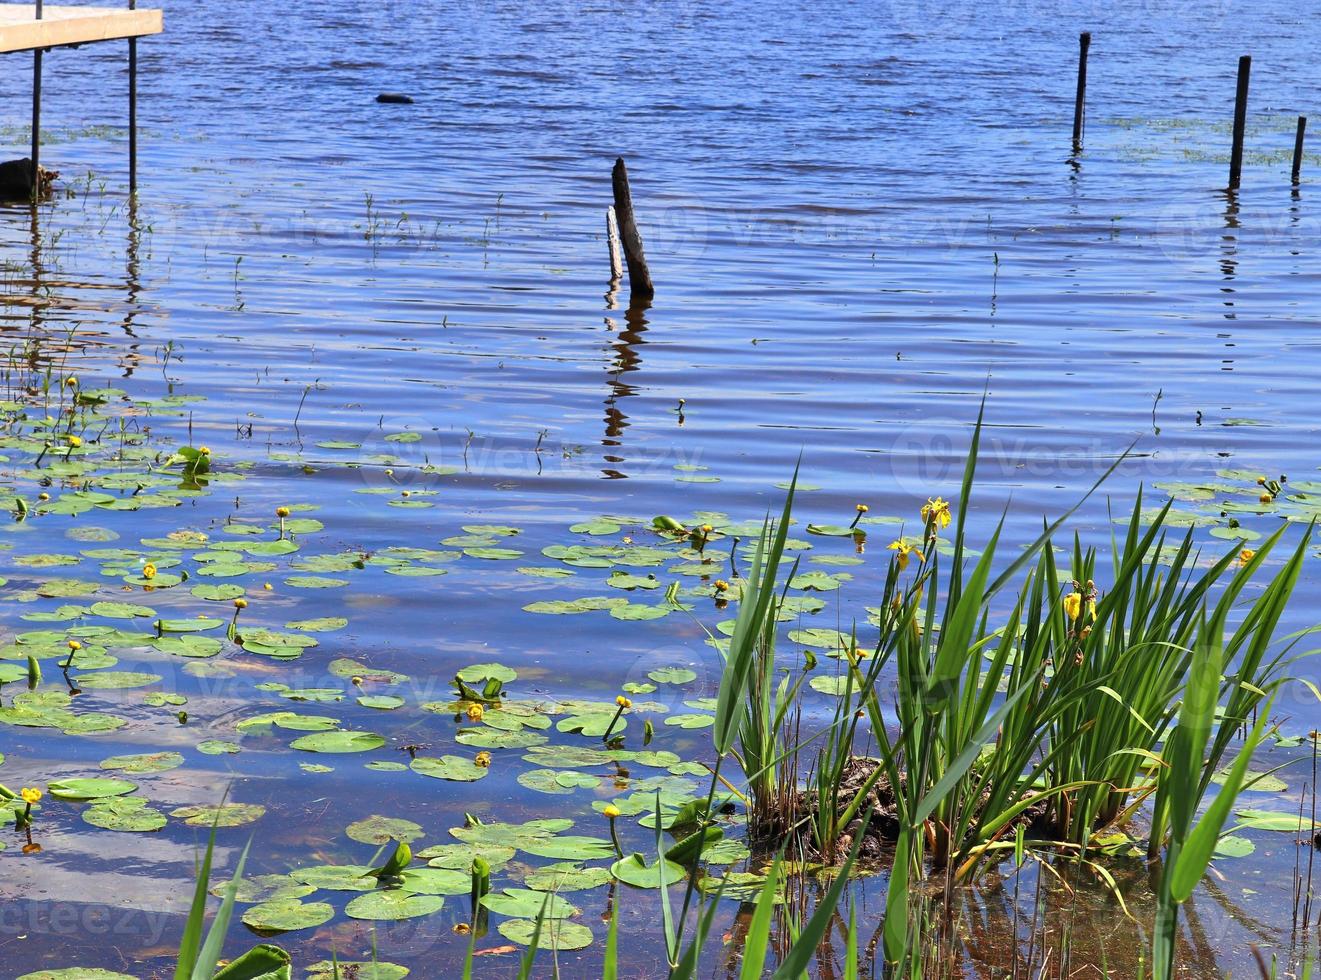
(282,512)
(611,811)
(75,645)
(240,603)
(623,702)
(475,712)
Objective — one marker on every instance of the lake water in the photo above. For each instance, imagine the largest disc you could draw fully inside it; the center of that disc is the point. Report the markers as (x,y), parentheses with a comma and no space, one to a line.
(861,220)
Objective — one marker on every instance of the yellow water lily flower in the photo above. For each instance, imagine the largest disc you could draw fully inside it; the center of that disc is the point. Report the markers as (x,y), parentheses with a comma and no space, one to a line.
(1265,498)
(861,508)
(475,712)
(905,551)
(281,512)
(935,512)
(149,571)
(75,442)
(611,811)
(483,760)
(75,646)
(1246,555)
(721,585)
(204,450)
(240,603)
(71,382)
(623,702)
(30,794)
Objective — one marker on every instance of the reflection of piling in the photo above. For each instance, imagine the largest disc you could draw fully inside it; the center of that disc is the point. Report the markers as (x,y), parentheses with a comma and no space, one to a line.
(1298,150)
(1240,121)
(639,278)
(1080,100)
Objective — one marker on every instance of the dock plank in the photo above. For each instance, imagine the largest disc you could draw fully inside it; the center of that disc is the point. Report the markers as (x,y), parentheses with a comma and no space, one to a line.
(61,26)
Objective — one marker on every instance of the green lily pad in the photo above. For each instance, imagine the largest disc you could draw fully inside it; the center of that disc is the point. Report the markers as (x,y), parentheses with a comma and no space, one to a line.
(459,857)
(340,969)
(114,680)
(690,721)
(92,788)
(149,762)
(216,746)
(222,815)
(128,814)
(527,903)
(566,877)
(336,877)
(436,881)
(1291,823)
(287,914)
(556,934)
(338,741)
(568,848)
(455,768)
(392,906)
(253,889)
(377,829)
(634,870)
(672,675)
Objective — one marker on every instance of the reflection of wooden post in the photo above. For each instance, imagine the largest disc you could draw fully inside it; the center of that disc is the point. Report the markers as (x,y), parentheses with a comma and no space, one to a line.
(1240,121)
(1298,149)
(1080,99)
(639,279)
(612,240)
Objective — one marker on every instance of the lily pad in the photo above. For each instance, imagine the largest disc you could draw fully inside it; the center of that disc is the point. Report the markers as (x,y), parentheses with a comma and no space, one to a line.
(287,914)
(338,742)
(92,788)
(377,829)
(392,906)
(556,934)
(455,768)
(149,762)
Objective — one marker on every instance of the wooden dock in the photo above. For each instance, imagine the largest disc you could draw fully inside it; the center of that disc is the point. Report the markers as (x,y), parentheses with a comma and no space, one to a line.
(59,27)
(38,27)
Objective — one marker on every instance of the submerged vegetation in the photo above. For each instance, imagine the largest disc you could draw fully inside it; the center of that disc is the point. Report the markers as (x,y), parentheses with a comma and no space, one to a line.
(997,709)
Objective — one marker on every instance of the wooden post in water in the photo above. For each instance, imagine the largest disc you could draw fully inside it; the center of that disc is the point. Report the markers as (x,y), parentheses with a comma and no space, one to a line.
(132,109)
(1298,150)
(639,278)
(1240,121)
(612,240)
(36,115)
(1080,100)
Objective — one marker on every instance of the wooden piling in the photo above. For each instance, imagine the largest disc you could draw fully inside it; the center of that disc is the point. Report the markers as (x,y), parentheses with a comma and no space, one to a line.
(1298,150)
(1080,99)
(639,278)
(612,240)
(1240,121)
(132,109)
(36,113)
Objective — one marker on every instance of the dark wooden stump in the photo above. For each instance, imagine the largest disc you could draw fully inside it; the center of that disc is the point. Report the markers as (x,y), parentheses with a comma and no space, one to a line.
(639,278)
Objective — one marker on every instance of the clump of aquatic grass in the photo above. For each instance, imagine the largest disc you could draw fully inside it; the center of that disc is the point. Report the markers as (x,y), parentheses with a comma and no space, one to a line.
(198,957)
